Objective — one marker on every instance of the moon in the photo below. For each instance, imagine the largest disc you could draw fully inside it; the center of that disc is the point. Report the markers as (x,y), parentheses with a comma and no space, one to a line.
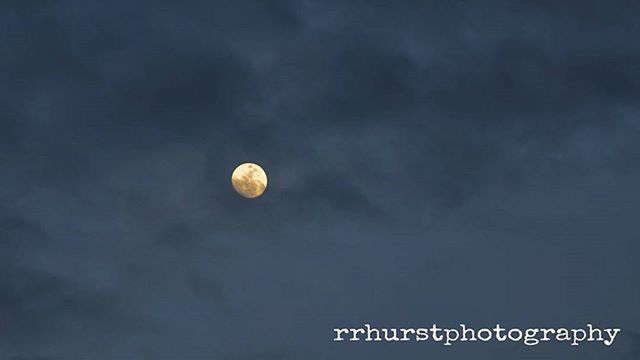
(249,180)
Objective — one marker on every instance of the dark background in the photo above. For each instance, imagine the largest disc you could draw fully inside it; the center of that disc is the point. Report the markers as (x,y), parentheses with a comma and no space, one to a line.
(446,162)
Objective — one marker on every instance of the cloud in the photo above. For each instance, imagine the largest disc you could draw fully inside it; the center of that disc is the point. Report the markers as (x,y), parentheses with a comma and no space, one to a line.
(402,141)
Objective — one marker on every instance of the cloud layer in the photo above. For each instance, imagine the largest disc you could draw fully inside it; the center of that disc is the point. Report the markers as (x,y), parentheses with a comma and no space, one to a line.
(427,162)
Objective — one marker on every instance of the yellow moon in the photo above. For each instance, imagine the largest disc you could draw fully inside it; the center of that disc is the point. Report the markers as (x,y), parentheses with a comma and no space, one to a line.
(249,180)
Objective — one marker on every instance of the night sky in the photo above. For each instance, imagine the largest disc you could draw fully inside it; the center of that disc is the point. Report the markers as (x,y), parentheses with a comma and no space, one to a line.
(446,161)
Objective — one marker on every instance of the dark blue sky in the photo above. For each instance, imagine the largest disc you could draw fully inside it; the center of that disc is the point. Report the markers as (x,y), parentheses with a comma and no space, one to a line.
(447,162)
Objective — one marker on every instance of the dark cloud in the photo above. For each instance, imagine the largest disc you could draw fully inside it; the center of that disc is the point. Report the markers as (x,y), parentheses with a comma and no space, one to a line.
(420,154)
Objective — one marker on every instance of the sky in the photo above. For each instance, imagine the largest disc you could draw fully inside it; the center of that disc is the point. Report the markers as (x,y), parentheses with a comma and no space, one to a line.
(428,162)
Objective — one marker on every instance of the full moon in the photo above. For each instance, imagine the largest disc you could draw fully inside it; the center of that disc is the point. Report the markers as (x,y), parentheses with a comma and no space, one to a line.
(249,180)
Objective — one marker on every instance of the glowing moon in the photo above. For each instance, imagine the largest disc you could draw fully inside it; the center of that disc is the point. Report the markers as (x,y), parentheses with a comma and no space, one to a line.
(249,180)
